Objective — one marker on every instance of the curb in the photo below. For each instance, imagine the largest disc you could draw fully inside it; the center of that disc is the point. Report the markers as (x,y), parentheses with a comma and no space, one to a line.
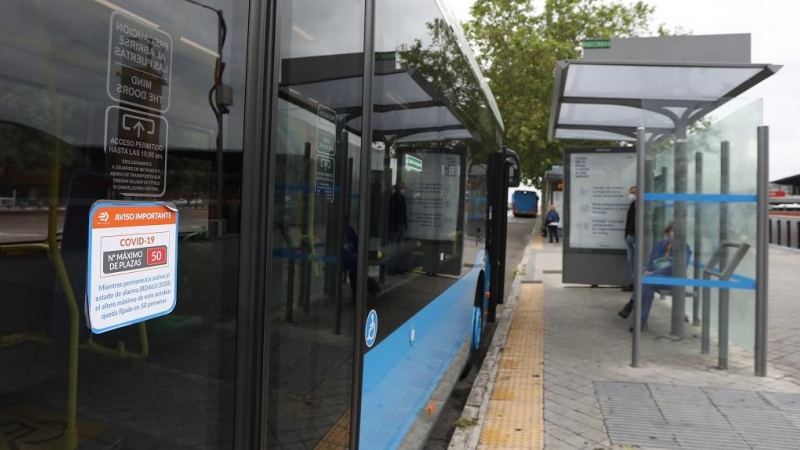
(467,438)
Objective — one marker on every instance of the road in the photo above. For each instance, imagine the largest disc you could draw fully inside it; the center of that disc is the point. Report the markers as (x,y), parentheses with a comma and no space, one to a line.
(519,231)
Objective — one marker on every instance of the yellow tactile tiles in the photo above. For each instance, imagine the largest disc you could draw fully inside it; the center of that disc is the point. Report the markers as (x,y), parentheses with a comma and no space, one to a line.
(537,241)
(338,437)
(515,419)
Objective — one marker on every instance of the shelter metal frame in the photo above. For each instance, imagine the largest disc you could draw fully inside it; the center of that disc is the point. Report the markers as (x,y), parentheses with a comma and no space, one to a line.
(681,113)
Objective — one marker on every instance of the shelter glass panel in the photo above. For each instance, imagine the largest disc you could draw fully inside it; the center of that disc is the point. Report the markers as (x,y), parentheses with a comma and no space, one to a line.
(705,186)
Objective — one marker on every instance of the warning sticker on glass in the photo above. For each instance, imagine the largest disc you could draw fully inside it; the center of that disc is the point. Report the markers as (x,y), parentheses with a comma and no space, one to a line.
(136,152)
(132,270)
(139,63)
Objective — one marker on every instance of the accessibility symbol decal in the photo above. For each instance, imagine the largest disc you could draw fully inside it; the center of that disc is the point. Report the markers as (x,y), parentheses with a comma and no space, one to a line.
(371,328)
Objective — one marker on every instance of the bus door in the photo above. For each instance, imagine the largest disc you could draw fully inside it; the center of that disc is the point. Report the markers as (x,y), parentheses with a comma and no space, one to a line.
(503,173)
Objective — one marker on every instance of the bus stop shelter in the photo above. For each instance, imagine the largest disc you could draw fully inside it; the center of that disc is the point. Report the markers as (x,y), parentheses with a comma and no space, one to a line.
(701,164)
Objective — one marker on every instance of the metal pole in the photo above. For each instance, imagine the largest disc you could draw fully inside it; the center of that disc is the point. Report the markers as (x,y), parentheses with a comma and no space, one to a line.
(359,345)
(290,289)
(641,152)
(662,206)
(305,226)
(724,294)
(705,339)
(679,230)
(762,253)
(649,230)
(698,236)
(218,83)
(341,229)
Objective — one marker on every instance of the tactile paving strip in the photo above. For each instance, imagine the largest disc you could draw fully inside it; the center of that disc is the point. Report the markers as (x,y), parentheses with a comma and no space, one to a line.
(686,417)
(537,242)
(338,437)
(515,419)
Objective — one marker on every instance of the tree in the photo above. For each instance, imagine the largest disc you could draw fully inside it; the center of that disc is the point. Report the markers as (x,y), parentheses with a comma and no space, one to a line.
(442,64)
(518,45)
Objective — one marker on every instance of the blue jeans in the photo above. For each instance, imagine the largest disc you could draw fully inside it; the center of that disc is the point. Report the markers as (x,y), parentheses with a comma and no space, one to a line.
(648,295)
(553,229)
(631,241)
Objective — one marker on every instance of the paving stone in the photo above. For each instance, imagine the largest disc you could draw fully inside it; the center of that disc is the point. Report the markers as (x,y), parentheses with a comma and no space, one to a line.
(585,343)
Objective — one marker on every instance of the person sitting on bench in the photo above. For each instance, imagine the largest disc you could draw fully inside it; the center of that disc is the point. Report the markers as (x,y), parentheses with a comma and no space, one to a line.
(660,265)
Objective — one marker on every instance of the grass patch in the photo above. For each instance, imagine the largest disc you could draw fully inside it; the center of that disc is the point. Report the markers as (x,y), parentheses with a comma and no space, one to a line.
(465,423)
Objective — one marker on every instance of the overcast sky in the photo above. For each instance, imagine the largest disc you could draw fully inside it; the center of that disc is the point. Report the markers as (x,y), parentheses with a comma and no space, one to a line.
(771,24)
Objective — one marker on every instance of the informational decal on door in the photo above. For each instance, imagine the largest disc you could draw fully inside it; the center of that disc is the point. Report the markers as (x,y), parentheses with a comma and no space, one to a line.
(433,184)
(132,264)
(136,152)
(139,63)
(598,203)
(325,177)
(326,148)
(326,131)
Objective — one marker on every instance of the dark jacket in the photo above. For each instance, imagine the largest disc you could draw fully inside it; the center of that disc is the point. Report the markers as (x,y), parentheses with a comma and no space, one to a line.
(630,221)
(664,249)
(397,212)
(552,217)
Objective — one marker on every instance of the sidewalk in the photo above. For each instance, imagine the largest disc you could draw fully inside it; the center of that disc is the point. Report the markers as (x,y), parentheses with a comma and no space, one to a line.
(593,399)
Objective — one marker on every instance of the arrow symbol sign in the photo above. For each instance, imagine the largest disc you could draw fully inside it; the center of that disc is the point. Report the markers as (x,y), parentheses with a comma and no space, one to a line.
(139,128)
(141,124)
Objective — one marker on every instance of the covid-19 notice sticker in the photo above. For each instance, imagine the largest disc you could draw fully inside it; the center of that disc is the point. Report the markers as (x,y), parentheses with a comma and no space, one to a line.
(132,269)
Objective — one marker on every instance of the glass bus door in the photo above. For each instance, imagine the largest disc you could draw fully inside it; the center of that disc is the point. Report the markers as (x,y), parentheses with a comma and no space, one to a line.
(316,152)
(135,103)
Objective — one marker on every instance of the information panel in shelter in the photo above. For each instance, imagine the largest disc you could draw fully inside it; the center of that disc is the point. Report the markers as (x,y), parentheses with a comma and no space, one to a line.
(599,184)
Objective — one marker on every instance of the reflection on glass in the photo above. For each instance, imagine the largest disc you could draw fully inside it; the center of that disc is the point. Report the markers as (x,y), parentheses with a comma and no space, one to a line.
(317,150)
(165,383)
(434,129)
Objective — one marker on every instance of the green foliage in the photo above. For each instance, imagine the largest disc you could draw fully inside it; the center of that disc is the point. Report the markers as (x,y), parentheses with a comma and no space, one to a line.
(518,44)
(441,63)
(465,423)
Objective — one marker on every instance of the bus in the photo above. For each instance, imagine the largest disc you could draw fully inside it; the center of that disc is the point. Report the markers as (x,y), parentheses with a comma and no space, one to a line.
(524,203)
(340,207)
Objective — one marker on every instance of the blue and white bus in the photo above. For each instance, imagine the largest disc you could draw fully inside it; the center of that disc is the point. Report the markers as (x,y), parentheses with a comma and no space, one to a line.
(340,182)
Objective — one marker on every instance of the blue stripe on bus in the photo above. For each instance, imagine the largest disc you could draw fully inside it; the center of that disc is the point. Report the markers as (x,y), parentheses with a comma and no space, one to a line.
(399,378)
(701,198)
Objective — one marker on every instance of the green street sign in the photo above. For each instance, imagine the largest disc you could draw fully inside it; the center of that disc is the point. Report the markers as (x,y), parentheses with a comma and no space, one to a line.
(597,43)
(413,164)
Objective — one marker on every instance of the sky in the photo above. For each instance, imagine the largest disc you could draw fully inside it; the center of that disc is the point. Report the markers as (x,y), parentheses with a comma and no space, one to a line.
(771,24)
